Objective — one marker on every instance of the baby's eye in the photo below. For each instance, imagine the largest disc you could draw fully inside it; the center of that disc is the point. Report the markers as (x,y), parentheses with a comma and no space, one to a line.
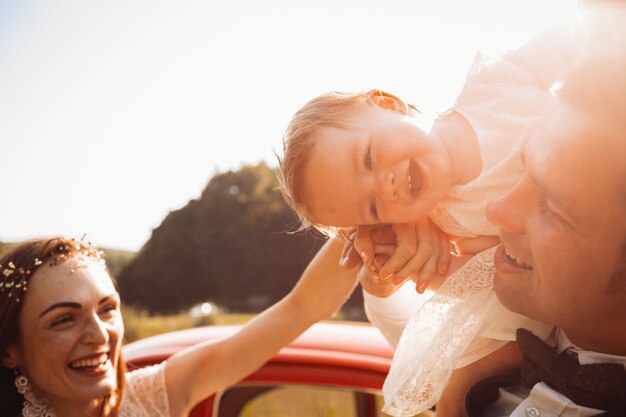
(367,160)
(374,209)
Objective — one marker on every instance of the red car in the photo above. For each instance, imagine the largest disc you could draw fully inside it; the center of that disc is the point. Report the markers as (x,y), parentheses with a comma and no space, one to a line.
(334,369)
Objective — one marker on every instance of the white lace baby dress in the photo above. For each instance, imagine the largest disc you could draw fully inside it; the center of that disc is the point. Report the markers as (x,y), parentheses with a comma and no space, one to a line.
(145,394)
(436,337)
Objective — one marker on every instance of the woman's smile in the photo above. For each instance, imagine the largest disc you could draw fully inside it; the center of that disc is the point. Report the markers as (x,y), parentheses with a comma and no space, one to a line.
(93,366)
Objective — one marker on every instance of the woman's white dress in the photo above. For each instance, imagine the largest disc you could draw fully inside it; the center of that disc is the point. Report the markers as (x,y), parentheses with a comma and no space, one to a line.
(145,394)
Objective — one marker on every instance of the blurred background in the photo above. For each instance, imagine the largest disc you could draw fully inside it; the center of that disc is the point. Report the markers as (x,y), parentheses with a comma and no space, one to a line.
(151,125)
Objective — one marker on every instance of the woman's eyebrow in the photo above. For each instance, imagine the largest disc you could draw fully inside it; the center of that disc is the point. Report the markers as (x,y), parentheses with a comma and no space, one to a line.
(114,296)
(70,304)
(60,305)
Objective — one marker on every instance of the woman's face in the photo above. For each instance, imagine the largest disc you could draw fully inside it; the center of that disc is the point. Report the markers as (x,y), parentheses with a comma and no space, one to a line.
(70,332)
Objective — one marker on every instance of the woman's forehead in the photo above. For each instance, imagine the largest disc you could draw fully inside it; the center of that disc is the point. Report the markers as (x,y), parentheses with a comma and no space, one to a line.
(79,280)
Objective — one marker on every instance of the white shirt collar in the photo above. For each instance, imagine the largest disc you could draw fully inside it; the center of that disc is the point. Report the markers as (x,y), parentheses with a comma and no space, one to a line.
(585,357)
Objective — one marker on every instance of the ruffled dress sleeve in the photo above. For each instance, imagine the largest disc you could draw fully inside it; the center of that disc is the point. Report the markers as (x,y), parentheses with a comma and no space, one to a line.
(145,394)
(502,102)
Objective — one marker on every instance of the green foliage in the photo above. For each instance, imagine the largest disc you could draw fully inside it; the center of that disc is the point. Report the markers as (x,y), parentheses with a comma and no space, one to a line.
(231,246)
(117,260)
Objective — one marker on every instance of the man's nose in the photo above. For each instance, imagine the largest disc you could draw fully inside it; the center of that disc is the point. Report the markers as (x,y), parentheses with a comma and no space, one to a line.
(510,210)
(387,186)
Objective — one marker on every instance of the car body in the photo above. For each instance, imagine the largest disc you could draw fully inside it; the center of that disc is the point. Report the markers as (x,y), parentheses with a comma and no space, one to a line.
(333,369)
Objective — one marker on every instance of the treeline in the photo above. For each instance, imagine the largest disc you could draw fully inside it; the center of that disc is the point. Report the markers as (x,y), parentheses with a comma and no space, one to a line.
(231,246)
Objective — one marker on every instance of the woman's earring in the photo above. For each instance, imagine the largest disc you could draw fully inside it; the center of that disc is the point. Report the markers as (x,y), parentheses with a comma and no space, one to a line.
(33,406)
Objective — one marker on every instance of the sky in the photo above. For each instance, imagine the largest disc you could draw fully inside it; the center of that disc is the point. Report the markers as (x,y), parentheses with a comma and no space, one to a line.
(114,113)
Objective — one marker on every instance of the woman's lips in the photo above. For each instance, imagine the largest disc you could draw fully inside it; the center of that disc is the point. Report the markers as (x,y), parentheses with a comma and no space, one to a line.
(93,366)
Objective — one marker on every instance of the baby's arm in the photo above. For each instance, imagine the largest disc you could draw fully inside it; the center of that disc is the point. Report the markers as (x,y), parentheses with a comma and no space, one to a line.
(197,372)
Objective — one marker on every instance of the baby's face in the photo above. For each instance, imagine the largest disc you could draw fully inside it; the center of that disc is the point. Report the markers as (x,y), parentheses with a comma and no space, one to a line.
(384,169)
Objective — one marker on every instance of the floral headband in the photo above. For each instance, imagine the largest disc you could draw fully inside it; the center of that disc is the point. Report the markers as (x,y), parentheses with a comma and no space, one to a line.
(14,279)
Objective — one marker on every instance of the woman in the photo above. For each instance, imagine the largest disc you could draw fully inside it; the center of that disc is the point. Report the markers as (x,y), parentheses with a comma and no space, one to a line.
(61,334)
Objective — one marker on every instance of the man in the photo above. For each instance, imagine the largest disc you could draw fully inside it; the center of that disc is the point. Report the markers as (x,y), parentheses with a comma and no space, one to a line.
(563,253)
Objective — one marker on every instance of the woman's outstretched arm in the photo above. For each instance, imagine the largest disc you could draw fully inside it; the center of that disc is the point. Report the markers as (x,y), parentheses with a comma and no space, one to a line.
(195,373)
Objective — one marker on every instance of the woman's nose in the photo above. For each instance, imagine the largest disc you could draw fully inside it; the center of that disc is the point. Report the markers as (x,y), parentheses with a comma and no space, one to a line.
(387,186)
(96,331)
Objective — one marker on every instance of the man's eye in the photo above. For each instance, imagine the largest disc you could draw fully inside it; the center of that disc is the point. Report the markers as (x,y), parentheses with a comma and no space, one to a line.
(367,161)
(374,209)
(549,212)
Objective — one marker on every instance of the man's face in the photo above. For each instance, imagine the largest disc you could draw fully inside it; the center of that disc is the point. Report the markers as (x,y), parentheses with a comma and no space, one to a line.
(385,169)
(563,228)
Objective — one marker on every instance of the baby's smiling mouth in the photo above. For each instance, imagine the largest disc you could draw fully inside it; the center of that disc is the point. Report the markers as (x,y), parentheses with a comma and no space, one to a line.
(414,179)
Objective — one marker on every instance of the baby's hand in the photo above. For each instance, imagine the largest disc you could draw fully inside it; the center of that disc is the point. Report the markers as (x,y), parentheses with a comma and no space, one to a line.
(422,254)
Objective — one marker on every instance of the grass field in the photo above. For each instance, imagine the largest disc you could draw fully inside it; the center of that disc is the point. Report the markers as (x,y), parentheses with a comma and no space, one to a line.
(140,324)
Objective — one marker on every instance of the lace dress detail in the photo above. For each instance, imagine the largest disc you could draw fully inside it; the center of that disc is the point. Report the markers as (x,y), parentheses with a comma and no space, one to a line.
(437,335)
(145,394)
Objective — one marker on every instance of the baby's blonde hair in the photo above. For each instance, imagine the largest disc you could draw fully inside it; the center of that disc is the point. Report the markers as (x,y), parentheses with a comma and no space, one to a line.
(333,109)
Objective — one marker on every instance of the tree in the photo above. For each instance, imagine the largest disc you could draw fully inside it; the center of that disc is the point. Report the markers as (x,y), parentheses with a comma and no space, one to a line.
(231,246)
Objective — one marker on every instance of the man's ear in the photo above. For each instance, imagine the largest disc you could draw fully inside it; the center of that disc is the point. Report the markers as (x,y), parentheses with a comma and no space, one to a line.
(386,101)
(11,357)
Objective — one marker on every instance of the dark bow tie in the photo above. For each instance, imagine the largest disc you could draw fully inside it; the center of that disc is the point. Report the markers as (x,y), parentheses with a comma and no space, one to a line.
(601,385)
